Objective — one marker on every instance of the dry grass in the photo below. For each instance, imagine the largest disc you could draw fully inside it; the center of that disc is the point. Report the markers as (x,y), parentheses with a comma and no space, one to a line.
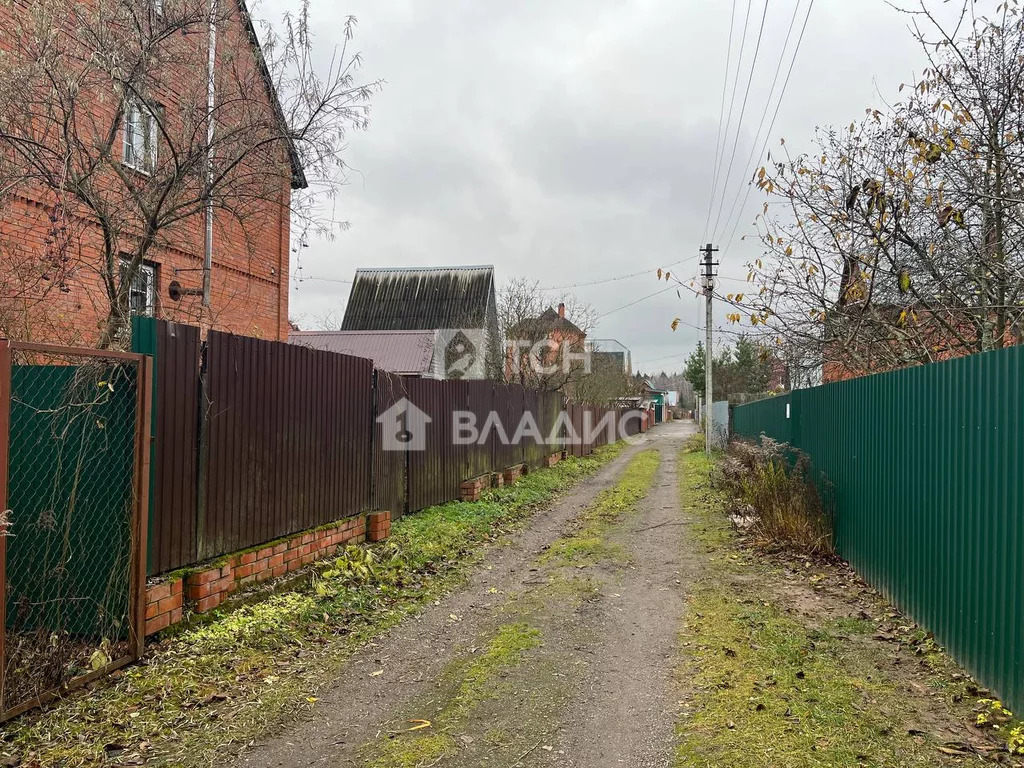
(775,496)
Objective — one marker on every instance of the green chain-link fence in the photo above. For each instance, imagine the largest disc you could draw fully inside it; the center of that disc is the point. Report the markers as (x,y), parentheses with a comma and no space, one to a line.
(71,570)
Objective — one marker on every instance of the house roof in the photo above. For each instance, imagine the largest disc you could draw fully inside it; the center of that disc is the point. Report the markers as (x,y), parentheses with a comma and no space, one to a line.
(649,387)
(549,320)
(418,298)
(550,317)
(405,352)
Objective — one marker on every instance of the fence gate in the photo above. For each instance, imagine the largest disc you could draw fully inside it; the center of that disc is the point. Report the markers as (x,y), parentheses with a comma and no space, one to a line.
(74,449)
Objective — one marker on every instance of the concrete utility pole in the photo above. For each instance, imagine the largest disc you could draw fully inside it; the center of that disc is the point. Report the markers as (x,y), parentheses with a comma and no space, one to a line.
(709,398)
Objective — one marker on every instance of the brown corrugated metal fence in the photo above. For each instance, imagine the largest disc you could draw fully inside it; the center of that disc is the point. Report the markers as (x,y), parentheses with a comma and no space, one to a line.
(174,473)
(286,443)
(255,440)
(390,480)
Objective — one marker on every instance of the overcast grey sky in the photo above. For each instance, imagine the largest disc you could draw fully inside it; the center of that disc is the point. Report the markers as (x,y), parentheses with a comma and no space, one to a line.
(573,141)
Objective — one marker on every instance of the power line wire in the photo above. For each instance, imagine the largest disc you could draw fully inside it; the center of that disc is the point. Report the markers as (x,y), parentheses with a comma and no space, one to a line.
(613,279)
(739,123)
(775,116)
(764,112)
(633,303)
(732,99)
(721,114)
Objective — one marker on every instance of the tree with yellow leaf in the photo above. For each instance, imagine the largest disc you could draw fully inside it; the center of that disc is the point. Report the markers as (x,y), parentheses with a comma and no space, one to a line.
(900,239)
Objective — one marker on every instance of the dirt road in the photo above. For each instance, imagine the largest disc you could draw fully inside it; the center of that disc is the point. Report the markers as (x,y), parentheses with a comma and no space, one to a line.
(559,650)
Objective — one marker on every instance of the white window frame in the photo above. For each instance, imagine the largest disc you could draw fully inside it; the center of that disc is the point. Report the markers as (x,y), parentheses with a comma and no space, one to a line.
(140,137)
(158,7)
(147,270)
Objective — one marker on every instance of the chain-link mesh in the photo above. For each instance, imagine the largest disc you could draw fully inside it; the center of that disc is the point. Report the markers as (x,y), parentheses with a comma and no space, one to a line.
(71,496)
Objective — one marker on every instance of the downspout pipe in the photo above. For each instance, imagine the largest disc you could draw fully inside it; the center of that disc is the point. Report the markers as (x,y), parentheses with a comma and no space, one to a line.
(211,103)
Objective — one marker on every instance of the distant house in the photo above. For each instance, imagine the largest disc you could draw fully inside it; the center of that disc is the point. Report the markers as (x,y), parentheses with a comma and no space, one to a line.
(609,354)
(656,398)
(458,304)
(408,353)
(540,348)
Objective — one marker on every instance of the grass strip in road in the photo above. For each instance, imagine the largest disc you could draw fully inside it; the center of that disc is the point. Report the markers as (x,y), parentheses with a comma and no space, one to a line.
(589,545)
(775,682)
(422,747)
(226,681)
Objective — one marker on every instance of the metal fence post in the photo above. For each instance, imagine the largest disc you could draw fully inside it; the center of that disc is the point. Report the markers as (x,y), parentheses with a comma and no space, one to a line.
(143,440)
(5,434)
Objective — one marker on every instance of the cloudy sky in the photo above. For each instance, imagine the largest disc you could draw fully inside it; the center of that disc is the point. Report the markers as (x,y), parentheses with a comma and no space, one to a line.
(573,141)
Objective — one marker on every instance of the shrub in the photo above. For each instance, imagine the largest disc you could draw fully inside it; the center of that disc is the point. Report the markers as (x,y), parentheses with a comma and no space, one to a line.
(775,496)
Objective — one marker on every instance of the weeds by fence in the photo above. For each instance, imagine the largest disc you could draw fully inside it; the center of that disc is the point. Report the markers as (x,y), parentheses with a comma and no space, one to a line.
(925,464)
(72,431)
(776,497)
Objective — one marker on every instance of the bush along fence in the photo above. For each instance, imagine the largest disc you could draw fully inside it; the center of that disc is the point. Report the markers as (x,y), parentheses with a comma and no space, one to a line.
(927,474)
(267,455)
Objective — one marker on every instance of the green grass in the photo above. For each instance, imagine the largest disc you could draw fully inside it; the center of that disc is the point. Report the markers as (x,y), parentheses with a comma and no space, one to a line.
(421,747)
(225,681)
(768,688)
(590,545)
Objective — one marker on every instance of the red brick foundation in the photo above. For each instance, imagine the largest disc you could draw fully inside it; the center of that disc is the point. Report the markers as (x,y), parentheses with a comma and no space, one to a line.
(512,474)
(470,490)
(380,526)
(554,458)
(163,605)
(207,588)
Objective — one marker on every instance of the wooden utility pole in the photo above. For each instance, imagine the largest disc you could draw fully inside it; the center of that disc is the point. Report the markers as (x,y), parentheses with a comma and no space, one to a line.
(709,289)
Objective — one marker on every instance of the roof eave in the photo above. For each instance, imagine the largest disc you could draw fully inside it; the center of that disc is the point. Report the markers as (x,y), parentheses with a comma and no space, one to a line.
(299,180)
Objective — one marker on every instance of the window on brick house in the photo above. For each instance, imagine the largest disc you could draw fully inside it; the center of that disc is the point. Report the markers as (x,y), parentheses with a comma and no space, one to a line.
(142,293)
(140,137)
(157,6)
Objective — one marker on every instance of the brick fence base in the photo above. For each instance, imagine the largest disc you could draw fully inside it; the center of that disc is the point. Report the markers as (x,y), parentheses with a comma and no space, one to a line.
(206,587)
(512,474)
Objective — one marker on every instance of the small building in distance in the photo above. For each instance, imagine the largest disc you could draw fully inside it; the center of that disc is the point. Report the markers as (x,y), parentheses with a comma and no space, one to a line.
(407,353)
(457,304)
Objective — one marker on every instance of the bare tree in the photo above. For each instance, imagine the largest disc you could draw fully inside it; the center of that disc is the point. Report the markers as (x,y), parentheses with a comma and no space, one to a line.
(542,350)
(107,124)
(897,240)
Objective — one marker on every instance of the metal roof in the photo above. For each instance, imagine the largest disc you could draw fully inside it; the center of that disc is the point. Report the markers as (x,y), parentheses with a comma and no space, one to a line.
(420,298)
(405,352)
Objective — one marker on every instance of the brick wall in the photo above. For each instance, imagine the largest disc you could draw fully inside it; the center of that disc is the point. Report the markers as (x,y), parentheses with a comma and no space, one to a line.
(51,287)
(207,588)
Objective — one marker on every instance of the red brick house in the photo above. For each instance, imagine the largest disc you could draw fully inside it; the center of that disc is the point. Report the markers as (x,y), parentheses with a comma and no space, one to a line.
(53,282)
(922,337)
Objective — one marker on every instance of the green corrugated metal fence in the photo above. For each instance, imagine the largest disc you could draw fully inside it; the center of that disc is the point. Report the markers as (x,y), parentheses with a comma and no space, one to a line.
(928,478)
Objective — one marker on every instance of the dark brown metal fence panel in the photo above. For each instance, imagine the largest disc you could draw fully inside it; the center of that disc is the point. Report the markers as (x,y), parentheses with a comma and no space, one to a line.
(435,466)
(172,523)
(288,440)
(508,403)
(576,435)
(390,481)
(479,457)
